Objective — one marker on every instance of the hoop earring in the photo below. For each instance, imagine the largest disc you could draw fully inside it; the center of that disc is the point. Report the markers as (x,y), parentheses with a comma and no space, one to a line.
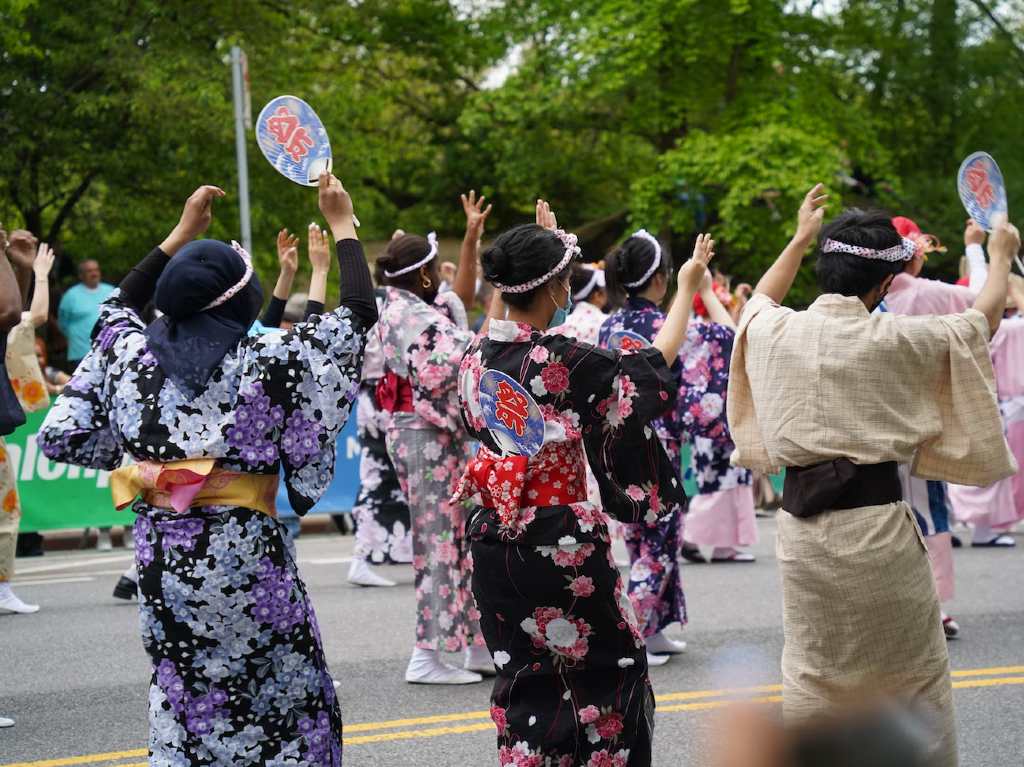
(426,283)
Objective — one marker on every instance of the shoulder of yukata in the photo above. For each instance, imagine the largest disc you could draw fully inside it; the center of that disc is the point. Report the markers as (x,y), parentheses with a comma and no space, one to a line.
(117,316)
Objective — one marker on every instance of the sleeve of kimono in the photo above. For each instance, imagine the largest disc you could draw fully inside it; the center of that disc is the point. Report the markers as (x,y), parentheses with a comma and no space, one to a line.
(617,396)
(311,376)
(434,360)
(23,367)
(750,449)
(77,429)
(705,376)
(971,448)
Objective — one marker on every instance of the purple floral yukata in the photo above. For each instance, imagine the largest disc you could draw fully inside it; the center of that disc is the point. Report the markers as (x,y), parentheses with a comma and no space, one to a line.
(239,675)
(655,577)
(424,344)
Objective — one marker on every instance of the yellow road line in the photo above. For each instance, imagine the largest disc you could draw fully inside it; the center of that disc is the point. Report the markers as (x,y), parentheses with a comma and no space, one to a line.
(987,671)
(109,756)
(433,732)
(699,702)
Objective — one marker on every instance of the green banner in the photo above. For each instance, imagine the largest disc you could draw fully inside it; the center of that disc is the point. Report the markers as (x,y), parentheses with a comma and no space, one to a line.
(56,495)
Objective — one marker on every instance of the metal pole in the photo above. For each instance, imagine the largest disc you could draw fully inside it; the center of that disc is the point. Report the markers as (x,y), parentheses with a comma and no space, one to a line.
(243,165)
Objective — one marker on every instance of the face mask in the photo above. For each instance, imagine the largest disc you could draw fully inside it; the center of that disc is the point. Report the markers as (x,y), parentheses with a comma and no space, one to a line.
(561,313)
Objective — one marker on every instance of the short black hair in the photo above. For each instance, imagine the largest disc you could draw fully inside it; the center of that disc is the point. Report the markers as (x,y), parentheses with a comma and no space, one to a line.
(521,254)
(850,275)
(629,263)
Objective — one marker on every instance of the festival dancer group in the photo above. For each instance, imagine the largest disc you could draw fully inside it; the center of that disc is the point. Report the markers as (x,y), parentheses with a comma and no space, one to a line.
(478,447)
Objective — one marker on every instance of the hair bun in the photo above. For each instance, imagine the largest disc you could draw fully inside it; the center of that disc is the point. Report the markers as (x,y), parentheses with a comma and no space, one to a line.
(495,263)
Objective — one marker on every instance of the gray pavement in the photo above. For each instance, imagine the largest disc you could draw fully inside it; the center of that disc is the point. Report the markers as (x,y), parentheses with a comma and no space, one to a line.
(75,675)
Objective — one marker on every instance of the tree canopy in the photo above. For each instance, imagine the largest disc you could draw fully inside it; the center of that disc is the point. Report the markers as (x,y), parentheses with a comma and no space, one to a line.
(675,115)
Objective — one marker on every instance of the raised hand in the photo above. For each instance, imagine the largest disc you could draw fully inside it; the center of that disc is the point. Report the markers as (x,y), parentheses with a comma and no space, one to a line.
(476,214)
(287,252)
(973,234)
(22,249)
(43,262)
(811,213)
(692,273)
(1004,244)
(319,249)
(546,216)
(336,205)
(198,211)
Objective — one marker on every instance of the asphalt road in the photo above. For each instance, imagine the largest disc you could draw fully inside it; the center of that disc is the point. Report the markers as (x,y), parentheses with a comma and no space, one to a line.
(75,675)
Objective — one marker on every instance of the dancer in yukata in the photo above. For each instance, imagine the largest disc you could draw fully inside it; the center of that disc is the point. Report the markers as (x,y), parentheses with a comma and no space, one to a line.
(210,416)
(655,549)
(572,685)
(423,335)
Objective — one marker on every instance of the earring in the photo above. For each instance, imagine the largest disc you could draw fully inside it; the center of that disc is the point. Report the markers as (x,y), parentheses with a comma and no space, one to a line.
(425,282)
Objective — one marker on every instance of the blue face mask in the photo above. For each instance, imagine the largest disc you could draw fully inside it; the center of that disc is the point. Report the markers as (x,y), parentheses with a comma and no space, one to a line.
(561,312)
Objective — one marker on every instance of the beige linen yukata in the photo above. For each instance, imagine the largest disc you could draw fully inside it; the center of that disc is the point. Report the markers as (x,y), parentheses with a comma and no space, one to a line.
(860,611)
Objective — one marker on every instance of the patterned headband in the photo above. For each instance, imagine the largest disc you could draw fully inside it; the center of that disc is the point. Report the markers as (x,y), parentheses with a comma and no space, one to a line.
(231,292)
(432,240)
(571,251)
(902,252)
(586,290)
(643,234)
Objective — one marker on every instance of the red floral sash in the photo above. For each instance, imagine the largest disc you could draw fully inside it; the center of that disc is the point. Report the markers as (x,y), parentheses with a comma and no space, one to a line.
(556,476)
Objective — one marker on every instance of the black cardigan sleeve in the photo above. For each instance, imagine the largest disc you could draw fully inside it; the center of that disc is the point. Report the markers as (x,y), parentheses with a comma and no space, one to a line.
(139,284)
(356,285)
(274,314)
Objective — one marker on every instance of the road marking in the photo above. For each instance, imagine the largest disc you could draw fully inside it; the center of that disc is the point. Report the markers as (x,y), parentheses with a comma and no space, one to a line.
(48,581)
(74,562)
(698,702)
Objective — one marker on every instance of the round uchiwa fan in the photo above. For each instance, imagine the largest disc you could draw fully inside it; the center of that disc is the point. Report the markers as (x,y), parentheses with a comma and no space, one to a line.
(627,341)
(982,190)
(293,140)
(512,416)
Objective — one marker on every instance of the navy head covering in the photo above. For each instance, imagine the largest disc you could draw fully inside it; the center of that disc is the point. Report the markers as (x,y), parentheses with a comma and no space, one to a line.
(209,296)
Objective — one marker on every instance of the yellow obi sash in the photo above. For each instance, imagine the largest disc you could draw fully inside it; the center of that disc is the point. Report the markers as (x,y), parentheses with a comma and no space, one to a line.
(180,485)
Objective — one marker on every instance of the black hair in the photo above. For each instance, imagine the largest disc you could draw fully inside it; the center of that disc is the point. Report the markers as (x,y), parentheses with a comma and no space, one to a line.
(581,277)
(629,263)
(521,254)
(402,252)
(846,273)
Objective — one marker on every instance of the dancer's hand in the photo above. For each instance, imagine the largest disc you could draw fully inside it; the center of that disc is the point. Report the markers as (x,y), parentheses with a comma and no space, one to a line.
(546,216)
(287,252)
(973,234)
(22,249)
(43,263)
(692,273)
(1004,243)
(811,214)
(476,214)
(336,205)
(319,250)
(195,218)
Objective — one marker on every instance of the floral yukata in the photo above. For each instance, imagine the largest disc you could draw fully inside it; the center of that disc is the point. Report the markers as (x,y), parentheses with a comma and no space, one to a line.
(722,513)
(655,580)
(239,675)
(423,346)
(381,513)
(572,686)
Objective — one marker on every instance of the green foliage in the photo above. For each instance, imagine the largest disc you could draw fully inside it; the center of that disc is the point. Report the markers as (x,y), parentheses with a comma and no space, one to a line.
(677,115)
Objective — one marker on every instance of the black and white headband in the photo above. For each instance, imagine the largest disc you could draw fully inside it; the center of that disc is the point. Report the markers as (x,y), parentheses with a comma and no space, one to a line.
(596,281)
(643,234)
(902,252)
(571,251)
(431,255)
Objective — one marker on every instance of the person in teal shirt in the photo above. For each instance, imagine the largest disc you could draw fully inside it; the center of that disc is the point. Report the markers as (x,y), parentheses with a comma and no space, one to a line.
(79,308)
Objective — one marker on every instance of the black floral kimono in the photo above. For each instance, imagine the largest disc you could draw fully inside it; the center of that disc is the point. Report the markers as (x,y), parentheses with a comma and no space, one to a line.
(572,686)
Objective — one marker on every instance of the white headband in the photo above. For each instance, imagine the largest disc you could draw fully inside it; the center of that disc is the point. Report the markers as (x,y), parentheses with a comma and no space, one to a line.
(902,252)
(643,234)
(571,250)
(230,293)
(432,239)
(596,280)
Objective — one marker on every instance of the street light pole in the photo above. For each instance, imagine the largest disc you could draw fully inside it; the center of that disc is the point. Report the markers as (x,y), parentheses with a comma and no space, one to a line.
(237,87)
